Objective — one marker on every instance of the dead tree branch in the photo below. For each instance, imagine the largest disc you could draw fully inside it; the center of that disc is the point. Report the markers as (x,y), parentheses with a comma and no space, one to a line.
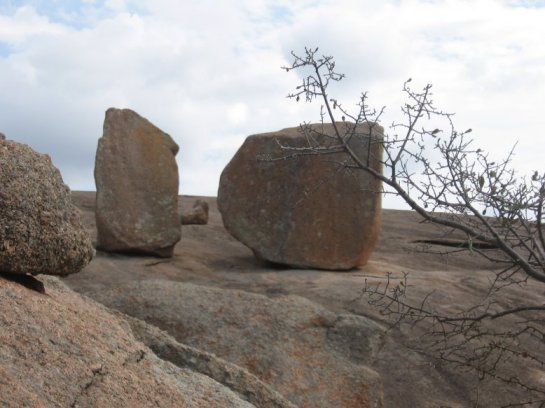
(440,173)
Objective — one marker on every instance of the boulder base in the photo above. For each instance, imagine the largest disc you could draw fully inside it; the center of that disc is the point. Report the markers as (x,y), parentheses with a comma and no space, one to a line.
(40,230)
(304,210)
(136,178)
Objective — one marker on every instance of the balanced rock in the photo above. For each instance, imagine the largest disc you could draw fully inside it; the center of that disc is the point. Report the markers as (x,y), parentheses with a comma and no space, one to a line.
(136,178)
(40,228)
(197,215)
(308,210)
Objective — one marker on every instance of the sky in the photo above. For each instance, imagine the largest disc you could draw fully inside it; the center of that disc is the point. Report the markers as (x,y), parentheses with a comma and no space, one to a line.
(209,72)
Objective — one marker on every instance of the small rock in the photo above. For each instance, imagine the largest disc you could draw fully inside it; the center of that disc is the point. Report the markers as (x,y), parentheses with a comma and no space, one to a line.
(40,229)
(197,215)
(137,186)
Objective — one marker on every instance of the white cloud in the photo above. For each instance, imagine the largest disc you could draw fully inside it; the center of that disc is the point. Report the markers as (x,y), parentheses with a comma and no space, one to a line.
(208,72)
(24,24)
(237,114)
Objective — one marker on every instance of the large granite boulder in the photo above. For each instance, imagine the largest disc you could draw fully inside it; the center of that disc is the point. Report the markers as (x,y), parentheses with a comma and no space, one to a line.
(65,350)
(307,210)
(136,178)
(40,230)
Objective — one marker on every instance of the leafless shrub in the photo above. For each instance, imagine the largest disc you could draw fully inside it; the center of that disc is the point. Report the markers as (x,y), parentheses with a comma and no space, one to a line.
(442,176)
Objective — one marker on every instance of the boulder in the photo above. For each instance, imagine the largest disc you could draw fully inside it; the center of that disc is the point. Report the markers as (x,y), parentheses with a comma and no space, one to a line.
(40,229)
(304,210)
(136,178)
(64,350)
(305,352)
(2,136)
(197,215)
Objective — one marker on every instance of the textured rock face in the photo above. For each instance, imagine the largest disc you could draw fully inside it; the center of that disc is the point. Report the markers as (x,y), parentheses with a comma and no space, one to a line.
(62,350)
(310,355)
(137,186)
(40,229)
(197,215)
(237,379)
(308,211)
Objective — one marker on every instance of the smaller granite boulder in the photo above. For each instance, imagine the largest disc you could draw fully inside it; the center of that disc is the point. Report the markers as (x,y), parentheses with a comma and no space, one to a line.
(40,228)
(136,178)
(197,215)
(2,136)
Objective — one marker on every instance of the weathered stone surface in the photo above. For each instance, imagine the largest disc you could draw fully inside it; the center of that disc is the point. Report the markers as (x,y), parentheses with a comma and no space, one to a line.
(310,355)
(136,178)
(210,256)
(232,376)
(40,229)
(308,211)
(197,215)
(63,350)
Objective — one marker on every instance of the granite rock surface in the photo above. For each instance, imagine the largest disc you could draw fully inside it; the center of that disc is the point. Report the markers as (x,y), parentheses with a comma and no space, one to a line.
(136,178)
(40,229)
(306,210)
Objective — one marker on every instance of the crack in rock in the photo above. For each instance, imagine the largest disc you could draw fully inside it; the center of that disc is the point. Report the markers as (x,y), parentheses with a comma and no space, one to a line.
(135,358)
(98,372)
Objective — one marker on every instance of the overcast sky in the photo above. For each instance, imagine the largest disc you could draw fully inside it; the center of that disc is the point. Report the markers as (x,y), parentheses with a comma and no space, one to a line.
(208,72)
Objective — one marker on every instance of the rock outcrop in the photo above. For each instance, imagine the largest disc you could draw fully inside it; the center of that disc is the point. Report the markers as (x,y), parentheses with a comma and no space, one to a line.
(209,256)
(235,378)
(40,229)
(310,355)
(136,178)
(308,211)
(64,350)
(198,214)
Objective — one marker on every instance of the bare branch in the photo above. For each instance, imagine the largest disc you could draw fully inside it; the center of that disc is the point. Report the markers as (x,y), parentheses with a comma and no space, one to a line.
(459,187)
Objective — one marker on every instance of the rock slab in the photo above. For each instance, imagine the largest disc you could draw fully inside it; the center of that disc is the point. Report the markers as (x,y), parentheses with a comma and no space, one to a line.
(63,350)
(304,210)
(311,356)
(40,229)
(136,178)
